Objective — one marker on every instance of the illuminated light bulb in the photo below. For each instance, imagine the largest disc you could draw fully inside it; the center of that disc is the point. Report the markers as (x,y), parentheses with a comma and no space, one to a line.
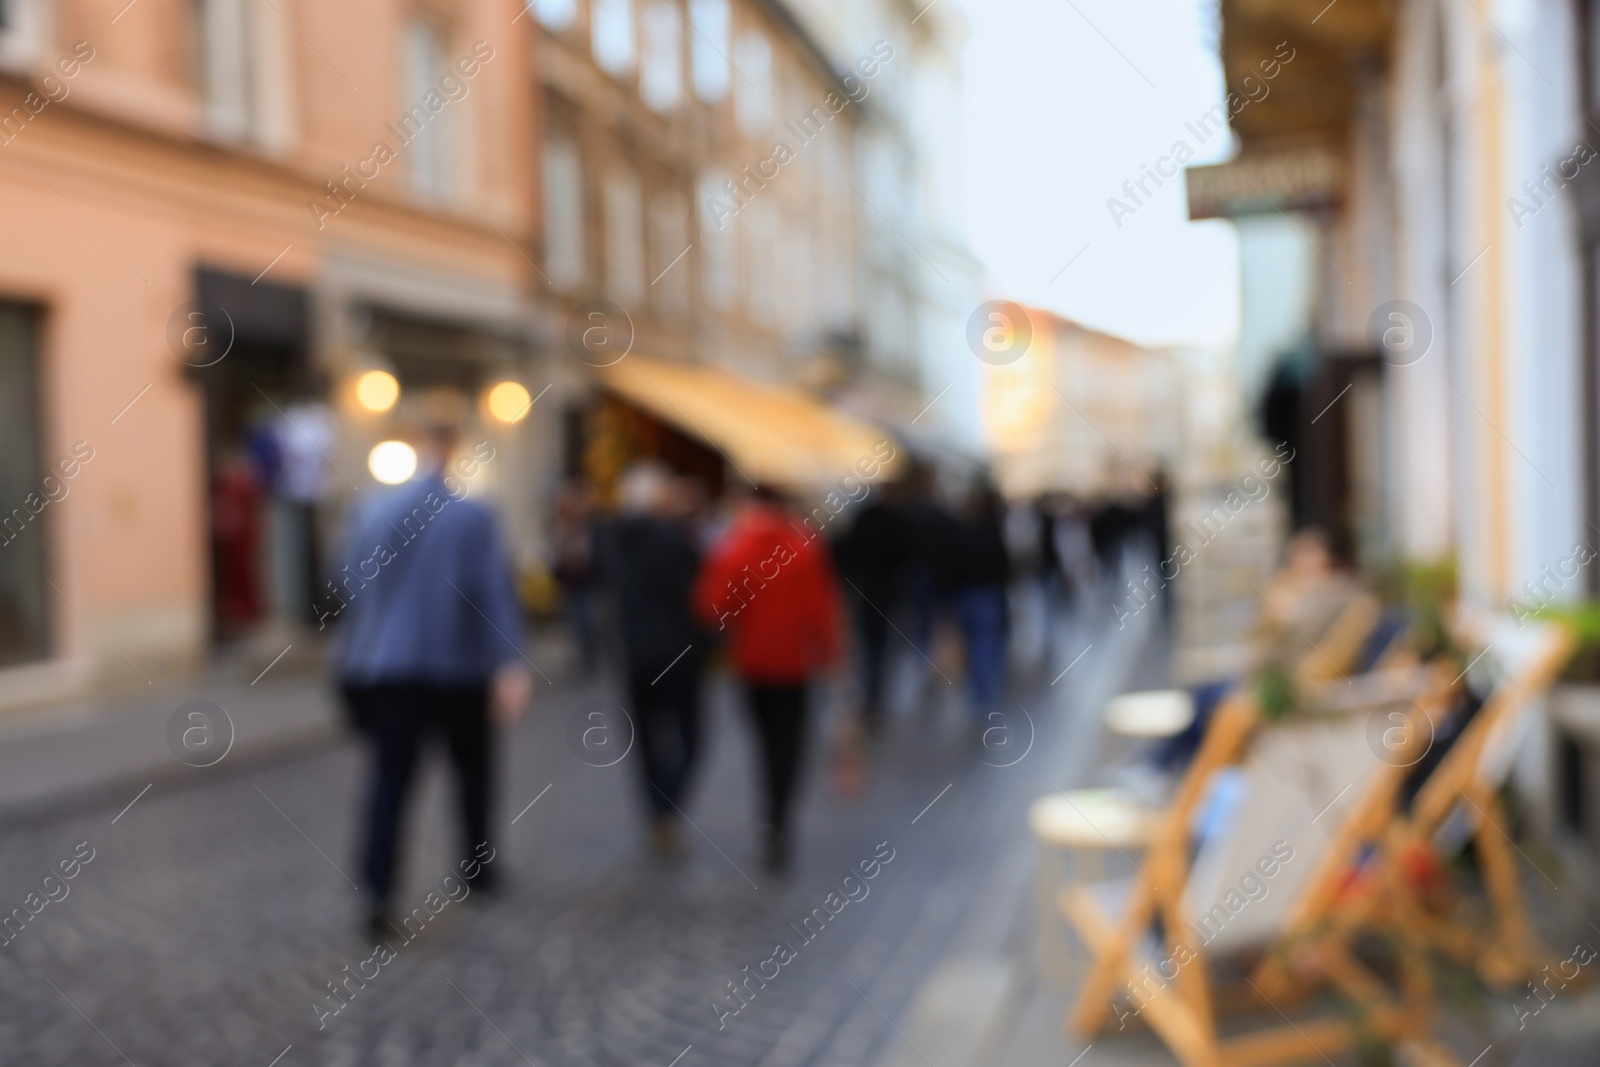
(392,462)
(509,401)
(377,390)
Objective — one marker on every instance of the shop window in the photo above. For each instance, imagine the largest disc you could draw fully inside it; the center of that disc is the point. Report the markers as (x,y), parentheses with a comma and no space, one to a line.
(661,68)
(563,213)
(710,21)
(29,488)
(614,43)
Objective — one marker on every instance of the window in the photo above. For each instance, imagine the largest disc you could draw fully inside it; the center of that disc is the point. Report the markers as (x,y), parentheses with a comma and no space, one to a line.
(795,276)
(428,150)
(24,494)
(555,14)
(611,24)
(226,67)
(719,241)
(761,255)
(21,34)
(563,213)
(669,268)
(244,61)
(752,93)
(624,220)
(709,52)
(661,70)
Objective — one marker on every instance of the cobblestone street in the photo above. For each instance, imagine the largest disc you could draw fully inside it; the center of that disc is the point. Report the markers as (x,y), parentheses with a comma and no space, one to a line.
(216,911)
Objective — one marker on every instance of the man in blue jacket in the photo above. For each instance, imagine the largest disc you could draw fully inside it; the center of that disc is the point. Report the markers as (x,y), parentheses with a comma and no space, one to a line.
(430,643)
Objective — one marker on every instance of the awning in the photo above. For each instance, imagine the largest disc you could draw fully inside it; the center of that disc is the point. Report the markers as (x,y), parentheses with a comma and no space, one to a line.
(770,433)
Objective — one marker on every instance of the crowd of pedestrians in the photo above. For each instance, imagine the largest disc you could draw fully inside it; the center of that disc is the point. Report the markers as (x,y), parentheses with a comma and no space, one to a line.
(662,584)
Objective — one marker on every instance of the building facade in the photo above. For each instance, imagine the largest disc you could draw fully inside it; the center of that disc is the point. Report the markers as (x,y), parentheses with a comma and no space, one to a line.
(250,241)
(220,214)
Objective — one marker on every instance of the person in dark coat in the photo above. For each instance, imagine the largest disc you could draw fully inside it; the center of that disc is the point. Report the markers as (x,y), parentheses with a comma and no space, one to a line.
(872,556)
(932,533)
(652,567)
(981,569)
(1156,519)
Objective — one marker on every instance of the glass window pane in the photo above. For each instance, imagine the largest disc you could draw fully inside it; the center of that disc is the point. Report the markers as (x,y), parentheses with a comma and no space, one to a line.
(555,14)
(428,149)
(611,23)
(624,219)
(661,73)
(709,48)
(752,94)
(563,213)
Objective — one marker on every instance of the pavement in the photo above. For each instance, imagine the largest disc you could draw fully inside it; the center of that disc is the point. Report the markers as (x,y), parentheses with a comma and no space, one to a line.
(216,912)
(215,916)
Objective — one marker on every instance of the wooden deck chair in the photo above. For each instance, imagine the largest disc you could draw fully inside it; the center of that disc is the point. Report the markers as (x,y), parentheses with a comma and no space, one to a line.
(1313,787)
(1460,802)
(1334,654)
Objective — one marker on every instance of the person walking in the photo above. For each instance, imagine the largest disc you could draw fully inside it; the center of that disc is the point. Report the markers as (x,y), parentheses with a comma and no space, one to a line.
(770,589)
(429,645)
(573,569)
(652,563)
(872,556)
(982,568)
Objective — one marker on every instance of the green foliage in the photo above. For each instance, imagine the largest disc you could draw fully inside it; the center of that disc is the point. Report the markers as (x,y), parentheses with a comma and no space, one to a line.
(1425,592)
(1275,693)
(1584,621)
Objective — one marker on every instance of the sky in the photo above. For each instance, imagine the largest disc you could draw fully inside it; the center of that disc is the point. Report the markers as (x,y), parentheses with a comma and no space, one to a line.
(1065,101)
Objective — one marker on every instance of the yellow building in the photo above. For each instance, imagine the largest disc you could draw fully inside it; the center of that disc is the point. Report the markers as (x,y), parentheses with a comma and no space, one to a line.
(1080,410)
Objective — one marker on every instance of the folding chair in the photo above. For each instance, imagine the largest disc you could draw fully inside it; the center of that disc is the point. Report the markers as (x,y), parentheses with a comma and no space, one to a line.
(1314,787)
(1459,803)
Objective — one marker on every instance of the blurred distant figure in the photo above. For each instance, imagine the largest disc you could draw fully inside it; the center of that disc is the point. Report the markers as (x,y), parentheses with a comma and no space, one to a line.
(305,435)
(1047,562)
(236,536)
(1109,527)
(873,554)
(982,566)
(771,589)
(430,644)
(932,533)
(1075,550)
(652,562)
(573,569)
(1155,521)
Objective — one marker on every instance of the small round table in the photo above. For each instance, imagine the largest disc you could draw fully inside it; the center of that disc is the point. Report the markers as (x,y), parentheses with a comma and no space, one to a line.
(1075,830)
(1153,713)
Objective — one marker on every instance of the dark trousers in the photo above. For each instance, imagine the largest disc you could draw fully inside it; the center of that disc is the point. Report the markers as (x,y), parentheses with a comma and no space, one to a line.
(667,710)
(779,714)
(872,634)
(981,610)
(397,717)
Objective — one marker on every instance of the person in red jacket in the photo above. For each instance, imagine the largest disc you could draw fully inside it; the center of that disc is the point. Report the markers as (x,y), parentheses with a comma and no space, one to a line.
(768,587)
